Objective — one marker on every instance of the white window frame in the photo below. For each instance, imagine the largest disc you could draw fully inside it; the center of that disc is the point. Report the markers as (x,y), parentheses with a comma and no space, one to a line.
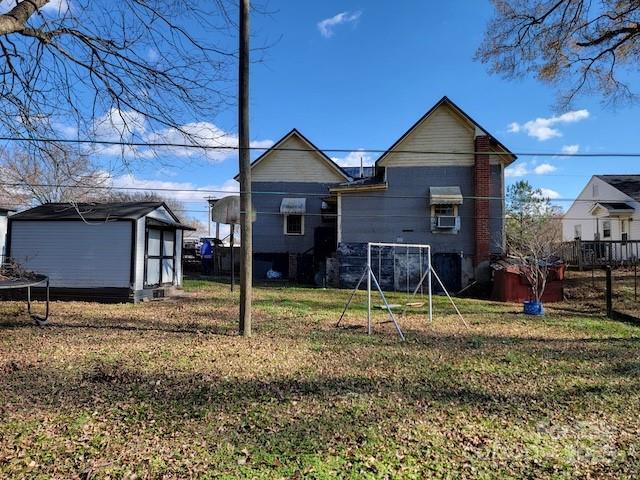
(434,219)
(604,222)
(285,225)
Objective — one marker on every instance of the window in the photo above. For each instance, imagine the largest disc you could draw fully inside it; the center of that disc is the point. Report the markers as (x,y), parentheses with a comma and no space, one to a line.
(624,235)
(444,210)
(606,229)
(577,232)
(444,218)
(294,225)
(160,252)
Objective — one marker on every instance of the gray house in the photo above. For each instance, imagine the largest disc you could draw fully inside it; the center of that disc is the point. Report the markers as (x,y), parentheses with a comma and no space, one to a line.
(125,251)
(441,183)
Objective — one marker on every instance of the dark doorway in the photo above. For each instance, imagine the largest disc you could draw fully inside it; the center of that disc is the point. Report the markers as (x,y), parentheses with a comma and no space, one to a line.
(325,239)
(448,266)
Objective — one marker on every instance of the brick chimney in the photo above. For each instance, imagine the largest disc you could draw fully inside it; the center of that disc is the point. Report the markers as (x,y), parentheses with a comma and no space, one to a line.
(482,191)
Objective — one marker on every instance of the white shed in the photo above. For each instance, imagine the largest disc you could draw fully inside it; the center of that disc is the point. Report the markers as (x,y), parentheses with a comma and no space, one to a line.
(125,251)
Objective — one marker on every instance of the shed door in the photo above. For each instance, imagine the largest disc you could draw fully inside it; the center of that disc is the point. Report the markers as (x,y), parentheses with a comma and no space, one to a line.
(160,257)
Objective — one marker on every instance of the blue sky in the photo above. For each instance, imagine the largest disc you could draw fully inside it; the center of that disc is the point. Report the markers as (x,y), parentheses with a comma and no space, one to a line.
(356,74)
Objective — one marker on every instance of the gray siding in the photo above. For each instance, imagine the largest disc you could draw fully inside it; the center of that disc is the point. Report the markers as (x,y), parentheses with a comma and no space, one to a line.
(75,254)
(401,214)
(268,229)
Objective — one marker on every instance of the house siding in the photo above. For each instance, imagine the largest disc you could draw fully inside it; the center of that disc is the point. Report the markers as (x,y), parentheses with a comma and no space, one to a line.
(443,131)
(268,229)
(74,254)
(295,166)
(401,214)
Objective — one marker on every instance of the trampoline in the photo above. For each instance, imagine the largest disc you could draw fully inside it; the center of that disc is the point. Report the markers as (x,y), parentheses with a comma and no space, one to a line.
(37,280)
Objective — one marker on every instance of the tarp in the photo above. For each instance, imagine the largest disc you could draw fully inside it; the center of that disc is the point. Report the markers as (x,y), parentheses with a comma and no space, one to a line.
(293,206)
(445,196)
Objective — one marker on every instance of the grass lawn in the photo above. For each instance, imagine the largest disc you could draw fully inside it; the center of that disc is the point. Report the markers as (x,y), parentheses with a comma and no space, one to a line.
(167,389)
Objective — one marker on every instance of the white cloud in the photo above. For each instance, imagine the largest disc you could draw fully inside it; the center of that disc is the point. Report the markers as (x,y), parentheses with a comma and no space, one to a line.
(352,159)
(127,126)
(59,7)
(544,168)
(570,149)
(522,169)
(51,8)
(327,25)
(550,194)
(513,127)
(517,170)
(545,128)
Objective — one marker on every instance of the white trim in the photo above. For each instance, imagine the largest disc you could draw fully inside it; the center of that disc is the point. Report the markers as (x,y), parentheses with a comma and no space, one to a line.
(285,224)
(434,218)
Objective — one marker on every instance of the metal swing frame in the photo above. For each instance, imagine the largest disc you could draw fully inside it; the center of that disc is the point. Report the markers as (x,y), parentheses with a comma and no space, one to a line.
(371,278)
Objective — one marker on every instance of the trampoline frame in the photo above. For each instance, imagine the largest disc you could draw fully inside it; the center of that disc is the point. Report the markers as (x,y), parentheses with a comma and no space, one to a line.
(28,283)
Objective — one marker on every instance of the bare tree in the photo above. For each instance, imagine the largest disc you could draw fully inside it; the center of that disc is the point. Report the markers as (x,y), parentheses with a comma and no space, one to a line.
(589,46)
(176,206)
(59,175)
(141,67)
(533,234)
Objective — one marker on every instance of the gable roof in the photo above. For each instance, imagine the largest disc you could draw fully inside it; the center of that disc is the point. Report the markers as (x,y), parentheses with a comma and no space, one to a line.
(92,211)
(447,101)
(333,165)
(627,184)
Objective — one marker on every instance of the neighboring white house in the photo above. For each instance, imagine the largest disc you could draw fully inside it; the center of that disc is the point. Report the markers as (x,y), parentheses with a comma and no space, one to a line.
(124,251)
(608,208)
(4,213)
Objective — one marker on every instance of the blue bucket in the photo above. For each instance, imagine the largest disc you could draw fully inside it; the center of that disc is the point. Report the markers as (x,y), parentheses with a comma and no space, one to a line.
(533,307)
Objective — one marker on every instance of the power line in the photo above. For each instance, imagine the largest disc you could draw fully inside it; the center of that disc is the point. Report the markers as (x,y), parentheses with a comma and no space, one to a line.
(372,215)
(286,149)
(277,193)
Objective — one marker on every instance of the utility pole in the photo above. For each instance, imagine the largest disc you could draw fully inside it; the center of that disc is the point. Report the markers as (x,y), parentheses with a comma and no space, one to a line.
(246,234)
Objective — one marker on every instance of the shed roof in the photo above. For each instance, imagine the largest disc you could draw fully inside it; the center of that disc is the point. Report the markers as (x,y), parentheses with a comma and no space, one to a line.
(93,211)
(627,184)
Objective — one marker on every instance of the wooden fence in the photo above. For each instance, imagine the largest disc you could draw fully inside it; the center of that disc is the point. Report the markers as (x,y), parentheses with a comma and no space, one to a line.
(598,253)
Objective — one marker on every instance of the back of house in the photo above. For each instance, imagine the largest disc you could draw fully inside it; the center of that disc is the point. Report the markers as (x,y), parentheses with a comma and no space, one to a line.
(607,208)
(441,183)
